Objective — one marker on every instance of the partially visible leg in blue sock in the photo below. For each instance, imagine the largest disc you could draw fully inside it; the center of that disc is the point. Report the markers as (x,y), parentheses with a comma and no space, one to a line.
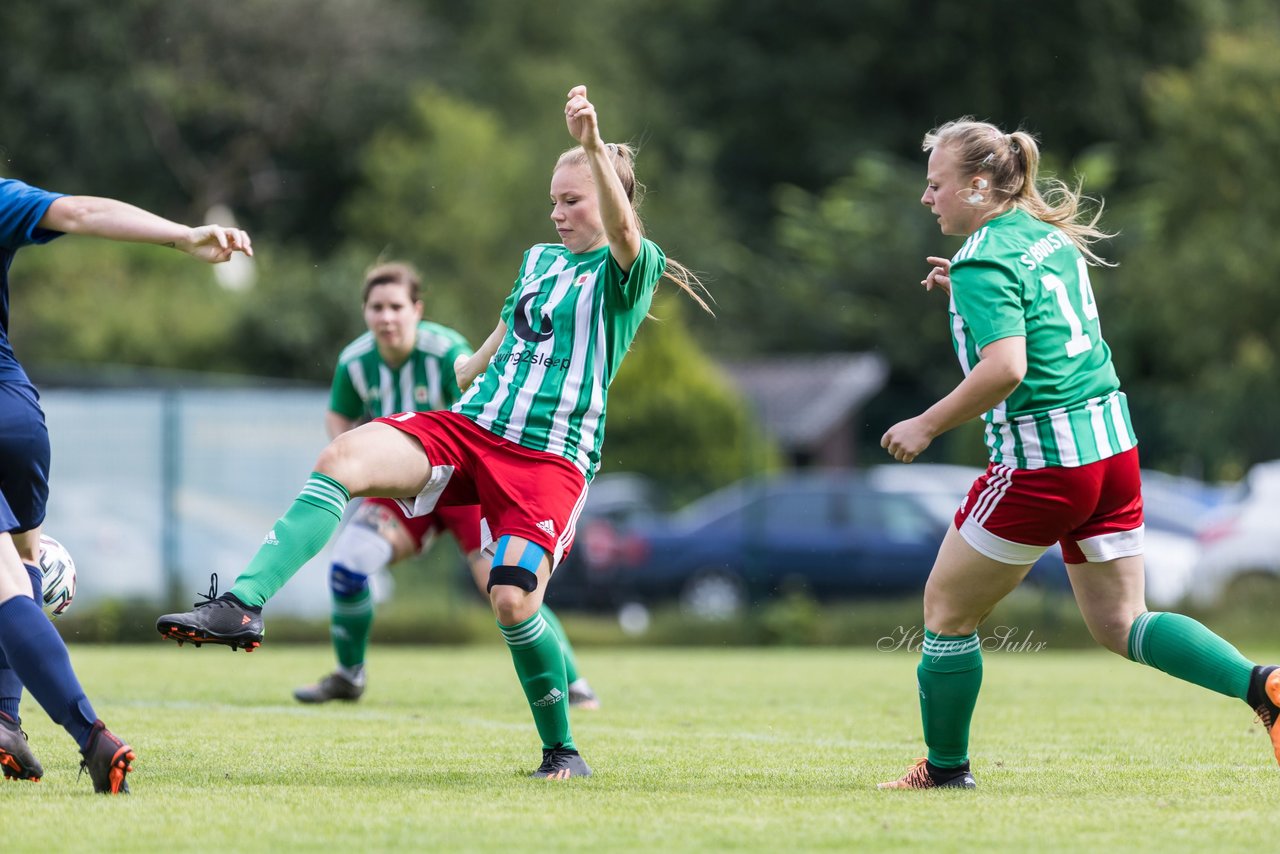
(10,684)
(35,651)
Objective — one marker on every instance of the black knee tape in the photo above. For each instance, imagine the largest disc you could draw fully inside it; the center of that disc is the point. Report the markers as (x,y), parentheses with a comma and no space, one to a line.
(516,576)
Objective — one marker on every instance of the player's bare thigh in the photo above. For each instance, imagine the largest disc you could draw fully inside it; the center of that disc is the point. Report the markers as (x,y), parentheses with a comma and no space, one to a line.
(479,564)
(1111,594)
(14,580)
(964,585)
(376,459)
(28,545)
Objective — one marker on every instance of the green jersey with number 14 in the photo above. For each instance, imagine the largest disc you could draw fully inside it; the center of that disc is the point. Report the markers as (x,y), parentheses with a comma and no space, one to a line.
(570,319)
(1019,276)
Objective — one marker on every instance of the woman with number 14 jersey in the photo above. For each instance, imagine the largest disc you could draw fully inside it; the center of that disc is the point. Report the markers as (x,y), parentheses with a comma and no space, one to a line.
(1025,278)
(1063,455)
(523,442)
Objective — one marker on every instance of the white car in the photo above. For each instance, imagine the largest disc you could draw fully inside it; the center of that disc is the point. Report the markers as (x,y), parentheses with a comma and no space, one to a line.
(1240,545)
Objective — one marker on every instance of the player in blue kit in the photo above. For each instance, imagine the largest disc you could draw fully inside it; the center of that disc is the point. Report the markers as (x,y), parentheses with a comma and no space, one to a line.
(31,651)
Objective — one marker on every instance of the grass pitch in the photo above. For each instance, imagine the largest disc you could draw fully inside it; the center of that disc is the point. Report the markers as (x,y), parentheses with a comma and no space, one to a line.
(733,749)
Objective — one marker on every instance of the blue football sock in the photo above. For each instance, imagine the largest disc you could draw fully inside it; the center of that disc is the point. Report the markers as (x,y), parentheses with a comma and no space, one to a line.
(10,684)
(10,690)
(37,654)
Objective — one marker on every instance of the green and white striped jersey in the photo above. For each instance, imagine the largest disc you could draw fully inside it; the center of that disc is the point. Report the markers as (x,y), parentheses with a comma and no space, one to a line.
(366,387)
(1019,276)
(570,319)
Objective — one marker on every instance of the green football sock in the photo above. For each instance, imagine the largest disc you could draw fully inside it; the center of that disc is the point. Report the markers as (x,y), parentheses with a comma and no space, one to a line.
(1184,648)
(570,663)
(350,626)
(949,677)
(297,537)
(539,661)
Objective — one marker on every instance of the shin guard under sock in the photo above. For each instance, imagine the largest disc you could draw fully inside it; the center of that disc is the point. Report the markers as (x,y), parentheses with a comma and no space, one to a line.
(949,677)
(1184,648)
(539,662)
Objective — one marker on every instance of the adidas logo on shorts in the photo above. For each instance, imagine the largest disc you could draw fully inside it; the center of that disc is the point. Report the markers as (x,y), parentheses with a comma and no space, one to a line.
(548,526)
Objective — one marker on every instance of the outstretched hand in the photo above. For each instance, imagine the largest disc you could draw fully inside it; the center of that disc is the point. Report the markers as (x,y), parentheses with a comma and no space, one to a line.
(216,243)
(940,276)
(580,117)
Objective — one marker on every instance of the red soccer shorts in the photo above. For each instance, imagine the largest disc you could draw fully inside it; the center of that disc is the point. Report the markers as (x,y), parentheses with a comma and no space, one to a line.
(1094,511)
(521,492)
(462,520)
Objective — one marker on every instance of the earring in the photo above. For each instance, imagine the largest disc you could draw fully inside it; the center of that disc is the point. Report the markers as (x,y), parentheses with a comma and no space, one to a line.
(975,198)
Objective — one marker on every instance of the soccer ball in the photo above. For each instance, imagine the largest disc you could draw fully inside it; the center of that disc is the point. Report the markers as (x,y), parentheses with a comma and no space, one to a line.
(58,572)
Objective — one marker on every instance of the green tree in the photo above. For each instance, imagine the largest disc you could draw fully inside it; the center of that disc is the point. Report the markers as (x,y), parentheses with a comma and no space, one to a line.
(1202,321)
(84,301)
(298,316)
(457,193)
(800,90)
(67,128)
(179,105)
(675,416)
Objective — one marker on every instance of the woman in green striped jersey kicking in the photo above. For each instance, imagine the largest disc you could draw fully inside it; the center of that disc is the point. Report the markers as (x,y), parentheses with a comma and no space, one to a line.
(402,362)
(1063,454)
(523,442)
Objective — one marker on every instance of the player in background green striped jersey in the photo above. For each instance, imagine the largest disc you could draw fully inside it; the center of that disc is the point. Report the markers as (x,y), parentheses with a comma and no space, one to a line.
(1064,463)
(402,363)
(523,442)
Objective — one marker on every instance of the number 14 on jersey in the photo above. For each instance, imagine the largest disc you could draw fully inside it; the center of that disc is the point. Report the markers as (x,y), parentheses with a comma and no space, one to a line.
(1079,342)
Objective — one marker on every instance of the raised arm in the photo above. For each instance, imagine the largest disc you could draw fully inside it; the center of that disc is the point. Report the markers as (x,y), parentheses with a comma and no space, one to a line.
(115,220)
(467,368)
(620,226)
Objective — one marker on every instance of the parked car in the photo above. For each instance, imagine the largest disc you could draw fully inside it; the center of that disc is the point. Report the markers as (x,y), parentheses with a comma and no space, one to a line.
(1175,509)
(615,502)
(1240,543)
(747,541)
(833,533)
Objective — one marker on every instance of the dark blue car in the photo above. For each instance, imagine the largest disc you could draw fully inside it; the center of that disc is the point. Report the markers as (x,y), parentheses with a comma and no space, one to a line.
(831,533)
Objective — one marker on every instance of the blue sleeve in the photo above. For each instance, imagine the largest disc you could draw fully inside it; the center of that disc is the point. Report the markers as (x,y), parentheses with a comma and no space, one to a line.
(21,208)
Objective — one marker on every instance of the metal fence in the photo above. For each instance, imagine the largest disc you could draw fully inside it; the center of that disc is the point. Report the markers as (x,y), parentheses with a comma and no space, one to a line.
(154,489)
